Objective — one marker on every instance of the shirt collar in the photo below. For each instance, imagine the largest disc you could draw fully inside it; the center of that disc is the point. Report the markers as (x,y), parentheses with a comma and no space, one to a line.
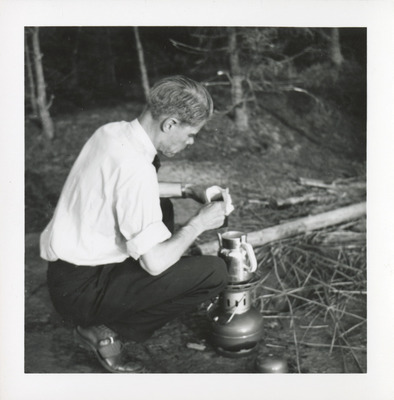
(140,135)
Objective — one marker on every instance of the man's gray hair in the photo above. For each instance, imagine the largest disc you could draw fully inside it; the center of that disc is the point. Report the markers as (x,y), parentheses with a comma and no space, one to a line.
(180,97)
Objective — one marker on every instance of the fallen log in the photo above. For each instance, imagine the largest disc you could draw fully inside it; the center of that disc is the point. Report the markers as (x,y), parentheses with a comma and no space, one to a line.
(296,227)
(291,201)
(315,183)
(335,185)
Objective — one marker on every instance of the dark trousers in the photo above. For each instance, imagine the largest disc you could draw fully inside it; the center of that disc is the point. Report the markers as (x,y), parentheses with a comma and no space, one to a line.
(127,299)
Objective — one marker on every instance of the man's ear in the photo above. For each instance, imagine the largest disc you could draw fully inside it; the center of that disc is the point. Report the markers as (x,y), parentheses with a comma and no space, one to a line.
(168,124)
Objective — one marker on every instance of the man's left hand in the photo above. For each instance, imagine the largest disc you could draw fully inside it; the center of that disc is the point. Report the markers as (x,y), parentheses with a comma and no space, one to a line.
(196,192)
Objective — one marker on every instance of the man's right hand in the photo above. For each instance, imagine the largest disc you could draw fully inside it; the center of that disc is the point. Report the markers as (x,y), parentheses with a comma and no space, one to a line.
(211,215)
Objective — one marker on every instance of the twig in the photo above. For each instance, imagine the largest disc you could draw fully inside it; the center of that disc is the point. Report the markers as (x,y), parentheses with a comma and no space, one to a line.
(352,329)
(315,183)
(194,49)
(291,201)
(327,260)
(309,326)
(313,326)
(274,345)
(316,303)
(348,292)
(217,83)
(351,349)
(292,319)
(329,345)
(257,216)
(345,368)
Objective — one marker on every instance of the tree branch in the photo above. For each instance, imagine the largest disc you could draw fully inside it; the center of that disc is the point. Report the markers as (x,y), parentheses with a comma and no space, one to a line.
(194,49)
(49,105)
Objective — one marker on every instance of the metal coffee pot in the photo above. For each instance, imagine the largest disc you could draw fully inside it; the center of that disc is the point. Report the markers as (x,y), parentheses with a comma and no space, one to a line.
(237,327)
(238,255)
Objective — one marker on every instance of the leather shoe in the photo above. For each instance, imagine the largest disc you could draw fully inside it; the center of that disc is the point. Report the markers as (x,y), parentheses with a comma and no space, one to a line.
(107,348)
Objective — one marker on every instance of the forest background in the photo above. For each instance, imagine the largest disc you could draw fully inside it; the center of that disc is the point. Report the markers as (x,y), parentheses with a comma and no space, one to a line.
(272,88)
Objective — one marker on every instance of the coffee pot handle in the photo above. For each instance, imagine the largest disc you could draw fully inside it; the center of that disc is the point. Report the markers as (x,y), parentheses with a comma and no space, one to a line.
(252,257)
(220,240)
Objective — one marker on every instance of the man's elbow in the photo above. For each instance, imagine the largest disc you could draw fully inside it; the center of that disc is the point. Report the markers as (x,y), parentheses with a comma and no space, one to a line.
(153,267)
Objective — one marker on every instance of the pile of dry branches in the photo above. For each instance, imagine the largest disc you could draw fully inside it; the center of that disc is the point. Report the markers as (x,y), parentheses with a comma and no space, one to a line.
(318,282)
(313,267)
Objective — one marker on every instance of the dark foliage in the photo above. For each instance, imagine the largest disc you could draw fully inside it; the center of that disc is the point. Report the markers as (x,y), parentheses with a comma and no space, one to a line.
(87,66)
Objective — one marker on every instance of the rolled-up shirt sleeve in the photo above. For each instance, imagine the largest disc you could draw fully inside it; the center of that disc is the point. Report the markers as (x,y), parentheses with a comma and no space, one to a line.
(138,211)
(148,238)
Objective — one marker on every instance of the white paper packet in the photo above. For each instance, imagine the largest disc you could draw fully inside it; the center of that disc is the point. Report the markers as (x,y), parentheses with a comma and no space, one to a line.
(217,191)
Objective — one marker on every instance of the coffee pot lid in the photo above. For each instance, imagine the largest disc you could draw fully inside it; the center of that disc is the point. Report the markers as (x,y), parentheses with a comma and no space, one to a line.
(232,239)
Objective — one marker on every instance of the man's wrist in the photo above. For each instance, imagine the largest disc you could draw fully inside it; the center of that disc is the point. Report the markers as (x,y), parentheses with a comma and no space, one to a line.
(196,225)
(184,190)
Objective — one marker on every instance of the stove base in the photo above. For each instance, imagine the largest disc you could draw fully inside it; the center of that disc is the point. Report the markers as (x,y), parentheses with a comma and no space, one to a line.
(237,353)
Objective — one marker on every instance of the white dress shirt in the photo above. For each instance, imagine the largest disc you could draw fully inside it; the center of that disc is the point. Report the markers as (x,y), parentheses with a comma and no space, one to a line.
(109,208)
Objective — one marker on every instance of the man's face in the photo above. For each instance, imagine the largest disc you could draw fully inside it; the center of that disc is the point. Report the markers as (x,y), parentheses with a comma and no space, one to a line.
(178,137)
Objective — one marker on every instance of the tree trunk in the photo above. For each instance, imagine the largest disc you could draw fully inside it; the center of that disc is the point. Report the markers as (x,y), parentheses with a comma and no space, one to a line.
(43,106)
(296,227)
(74,80)
(141,59)
(109,59)
(30,77)
(335,48)
(237,93)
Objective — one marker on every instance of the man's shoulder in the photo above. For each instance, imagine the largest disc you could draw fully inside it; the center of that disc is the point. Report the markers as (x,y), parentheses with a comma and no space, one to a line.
(116,140)
(119,141)
(112,134)
(113,127)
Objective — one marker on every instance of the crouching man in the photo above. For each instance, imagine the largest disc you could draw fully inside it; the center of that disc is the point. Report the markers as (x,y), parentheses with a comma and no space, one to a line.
(115,265)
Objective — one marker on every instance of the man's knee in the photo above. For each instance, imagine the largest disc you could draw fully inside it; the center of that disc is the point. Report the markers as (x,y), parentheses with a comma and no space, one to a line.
(218,271)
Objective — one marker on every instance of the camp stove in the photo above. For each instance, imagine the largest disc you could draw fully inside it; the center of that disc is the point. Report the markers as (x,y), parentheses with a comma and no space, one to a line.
(236,325)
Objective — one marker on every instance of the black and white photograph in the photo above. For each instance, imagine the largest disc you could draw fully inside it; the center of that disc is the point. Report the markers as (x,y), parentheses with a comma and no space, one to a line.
(273,123)
(192,204)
